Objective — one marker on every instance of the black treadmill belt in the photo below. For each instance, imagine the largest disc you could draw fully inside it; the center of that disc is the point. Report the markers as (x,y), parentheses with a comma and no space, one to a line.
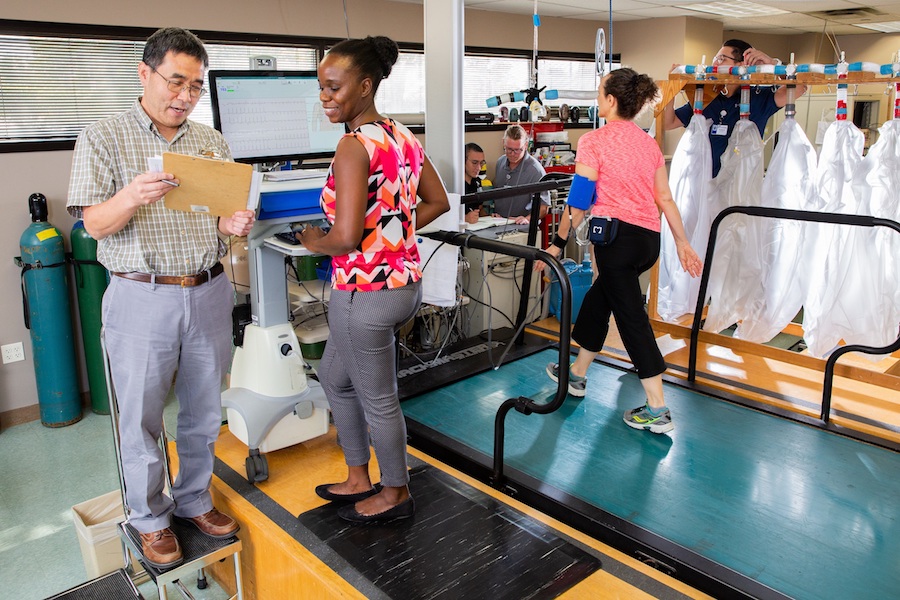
(460,544)
(469,357)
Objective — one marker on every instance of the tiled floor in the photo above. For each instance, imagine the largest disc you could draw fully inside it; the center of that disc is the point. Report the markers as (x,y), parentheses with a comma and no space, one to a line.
(44,473)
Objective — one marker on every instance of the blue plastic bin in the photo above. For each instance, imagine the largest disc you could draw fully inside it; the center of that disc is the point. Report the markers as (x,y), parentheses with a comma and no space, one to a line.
(323,271)
(580,277)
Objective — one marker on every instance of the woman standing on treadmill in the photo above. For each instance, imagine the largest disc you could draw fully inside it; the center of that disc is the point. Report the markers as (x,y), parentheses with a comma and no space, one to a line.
(378,176)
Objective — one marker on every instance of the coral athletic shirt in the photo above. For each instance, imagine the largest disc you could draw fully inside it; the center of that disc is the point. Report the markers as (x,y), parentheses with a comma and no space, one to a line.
(626,160)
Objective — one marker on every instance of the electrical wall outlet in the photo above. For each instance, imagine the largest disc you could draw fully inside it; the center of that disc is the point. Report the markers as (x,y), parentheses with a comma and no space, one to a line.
(13,352)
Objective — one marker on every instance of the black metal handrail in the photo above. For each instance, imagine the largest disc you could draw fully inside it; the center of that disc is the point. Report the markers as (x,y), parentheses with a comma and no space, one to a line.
(795,215)
(550,181)
(522,404)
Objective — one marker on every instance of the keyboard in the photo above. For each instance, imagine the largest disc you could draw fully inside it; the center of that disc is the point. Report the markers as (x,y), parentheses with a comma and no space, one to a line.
(292,175)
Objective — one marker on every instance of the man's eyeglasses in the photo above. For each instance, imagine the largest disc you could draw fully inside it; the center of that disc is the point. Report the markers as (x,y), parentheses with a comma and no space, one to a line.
(725,57)
(176,87)
(508,150)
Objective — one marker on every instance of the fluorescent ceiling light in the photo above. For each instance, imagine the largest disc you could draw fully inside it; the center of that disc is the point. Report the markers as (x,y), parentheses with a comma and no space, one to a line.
(735,8)
(889,27)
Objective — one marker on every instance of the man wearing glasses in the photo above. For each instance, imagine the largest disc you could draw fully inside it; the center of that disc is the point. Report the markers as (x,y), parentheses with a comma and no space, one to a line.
(724,110)
(518,167)
(167,310)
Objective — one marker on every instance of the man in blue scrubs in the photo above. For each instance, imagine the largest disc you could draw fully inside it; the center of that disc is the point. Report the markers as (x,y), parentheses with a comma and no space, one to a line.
(724,109)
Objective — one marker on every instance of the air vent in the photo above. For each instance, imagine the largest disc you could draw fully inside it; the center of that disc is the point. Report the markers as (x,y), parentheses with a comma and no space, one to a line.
(854,15)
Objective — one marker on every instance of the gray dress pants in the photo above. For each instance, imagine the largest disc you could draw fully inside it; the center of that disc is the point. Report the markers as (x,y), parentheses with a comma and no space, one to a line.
(359,375)
(153,331)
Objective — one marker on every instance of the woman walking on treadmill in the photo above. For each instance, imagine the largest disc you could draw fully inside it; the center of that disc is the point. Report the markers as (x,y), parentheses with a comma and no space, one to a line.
(622,167)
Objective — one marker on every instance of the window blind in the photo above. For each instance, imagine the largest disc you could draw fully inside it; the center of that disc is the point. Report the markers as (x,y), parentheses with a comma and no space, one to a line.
(51,88)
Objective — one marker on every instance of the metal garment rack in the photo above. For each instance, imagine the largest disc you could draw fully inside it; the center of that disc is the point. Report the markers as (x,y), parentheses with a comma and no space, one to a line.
(671,88)
(676,82)
(199,550)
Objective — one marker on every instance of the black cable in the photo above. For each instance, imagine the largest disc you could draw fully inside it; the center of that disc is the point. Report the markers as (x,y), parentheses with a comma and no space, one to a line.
(432,256)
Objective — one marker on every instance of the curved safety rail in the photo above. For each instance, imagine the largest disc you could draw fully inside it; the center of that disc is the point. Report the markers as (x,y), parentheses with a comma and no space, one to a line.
(795,215)
(524,405)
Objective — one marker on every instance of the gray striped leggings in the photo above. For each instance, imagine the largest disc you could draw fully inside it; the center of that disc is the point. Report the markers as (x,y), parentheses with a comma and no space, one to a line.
(359,375)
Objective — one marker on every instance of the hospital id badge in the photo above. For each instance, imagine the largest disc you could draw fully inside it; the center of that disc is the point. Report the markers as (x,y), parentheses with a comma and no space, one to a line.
(719,130)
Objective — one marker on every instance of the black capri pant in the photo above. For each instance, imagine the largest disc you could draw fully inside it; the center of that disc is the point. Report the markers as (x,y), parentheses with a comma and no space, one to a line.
(617,292)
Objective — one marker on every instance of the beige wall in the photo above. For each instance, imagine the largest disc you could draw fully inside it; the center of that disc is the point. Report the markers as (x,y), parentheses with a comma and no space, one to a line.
(298,17)
(24,174)
(647,46)
(678,40)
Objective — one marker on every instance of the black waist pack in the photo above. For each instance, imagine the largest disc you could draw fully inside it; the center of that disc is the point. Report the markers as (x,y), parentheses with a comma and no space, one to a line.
(603,230)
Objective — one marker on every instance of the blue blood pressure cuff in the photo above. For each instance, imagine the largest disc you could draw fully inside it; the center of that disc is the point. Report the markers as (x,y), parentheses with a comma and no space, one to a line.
(582,192)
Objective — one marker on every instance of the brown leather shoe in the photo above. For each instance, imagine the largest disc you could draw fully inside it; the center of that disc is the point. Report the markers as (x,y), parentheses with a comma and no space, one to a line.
(215,524)
(161,549)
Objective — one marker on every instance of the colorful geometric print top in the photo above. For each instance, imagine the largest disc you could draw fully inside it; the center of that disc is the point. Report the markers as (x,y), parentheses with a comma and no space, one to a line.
(387,256)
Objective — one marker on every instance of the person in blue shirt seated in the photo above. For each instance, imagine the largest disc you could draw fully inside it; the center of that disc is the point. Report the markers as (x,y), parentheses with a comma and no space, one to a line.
(724,109)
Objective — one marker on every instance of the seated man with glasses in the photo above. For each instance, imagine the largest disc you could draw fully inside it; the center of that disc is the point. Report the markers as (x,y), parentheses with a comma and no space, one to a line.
(518,167)
(724,110)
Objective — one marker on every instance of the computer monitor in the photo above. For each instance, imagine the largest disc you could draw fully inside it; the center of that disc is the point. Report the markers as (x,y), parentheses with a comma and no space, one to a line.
(271,116)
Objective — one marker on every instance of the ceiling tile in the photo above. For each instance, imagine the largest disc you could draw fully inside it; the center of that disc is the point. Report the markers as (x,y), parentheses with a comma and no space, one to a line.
(630,10)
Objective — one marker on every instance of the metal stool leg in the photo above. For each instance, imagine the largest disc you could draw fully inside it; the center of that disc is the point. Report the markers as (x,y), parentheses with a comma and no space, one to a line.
(238,580)
(202,584)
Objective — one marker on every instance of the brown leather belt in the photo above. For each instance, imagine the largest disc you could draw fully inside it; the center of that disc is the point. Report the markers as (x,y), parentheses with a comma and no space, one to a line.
(182,280)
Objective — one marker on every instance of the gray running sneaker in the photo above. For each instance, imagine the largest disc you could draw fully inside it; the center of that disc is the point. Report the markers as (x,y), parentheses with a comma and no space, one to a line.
(642,418)
(577,385)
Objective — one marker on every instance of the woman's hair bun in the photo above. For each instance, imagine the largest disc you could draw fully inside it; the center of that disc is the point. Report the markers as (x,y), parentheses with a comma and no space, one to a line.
(387,52)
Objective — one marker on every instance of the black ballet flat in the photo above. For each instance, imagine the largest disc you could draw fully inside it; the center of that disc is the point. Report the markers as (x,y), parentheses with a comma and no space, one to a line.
(404,510)
(322,492)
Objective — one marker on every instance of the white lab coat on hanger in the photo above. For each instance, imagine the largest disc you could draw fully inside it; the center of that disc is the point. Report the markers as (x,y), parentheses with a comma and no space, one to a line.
(689,178)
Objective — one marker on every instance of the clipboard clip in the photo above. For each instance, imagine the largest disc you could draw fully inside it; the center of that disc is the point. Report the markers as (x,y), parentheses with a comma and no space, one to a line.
(212,150)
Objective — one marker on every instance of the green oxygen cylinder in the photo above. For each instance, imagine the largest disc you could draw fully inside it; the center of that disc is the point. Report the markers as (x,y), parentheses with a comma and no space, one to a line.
(45,301)
(91,279)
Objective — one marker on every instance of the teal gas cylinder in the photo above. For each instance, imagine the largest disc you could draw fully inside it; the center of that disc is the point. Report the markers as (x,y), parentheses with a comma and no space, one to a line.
(91,279)
(45,297)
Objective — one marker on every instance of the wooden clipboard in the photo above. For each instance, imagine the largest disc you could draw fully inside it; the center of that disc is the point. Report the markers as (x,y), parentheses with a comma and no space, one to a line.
(207,186)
